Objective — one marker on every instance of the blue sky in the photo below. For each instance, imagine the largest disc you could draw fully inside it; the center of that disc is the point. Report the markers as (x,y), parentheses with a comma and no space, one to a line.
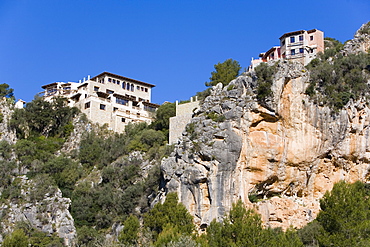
(172,44)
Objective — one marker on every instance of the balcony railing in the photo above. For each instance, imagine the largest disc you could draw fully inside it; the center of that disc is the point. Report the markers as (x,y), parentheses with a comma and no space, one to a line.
(295,44)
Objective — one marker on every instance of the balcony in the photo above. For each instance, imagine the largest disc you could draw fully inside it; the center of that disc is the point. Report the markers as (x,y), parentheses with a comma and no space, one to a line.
(299,43)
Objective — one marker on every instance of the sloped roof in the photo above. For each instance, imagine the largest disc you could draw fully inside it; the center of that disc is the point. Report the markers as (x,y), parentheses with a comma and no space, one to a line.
(123,78)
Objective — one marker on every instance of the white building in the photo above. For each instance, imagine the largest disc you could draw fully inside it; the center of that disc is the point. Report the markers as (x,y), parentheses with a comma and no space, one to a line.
(107,99)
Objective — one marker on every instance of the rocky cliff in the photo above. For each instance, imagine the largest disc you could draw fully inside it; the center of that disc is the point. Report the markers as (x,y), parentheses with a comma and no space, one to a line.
(47,212)
(278,157)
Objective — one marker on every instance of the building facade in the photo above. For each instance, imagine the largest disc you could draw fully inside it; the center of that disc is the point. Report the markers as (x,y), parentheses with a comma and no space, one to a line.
(301,46)
(108,99)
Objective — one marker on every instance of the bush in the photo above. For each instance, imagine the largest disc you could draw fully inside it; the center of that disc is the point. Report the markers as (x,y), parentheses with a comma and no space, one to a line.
(344,218)
(40,117)
(335,82)
(264,75)
(168,215)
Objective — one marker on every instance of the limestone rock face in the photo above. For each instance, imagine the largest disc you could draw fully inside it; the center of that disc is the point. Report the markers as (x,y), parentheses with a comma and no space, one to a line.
(49,215)
(279,157)
(6,111)
(361,41)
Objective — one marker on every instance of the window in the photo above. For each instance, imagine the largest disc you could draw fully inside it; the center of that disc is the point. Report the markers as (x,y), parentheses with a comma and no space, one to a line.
(311,37)
(102,107)
(292,52)
(142,89)
(149,108)
(110,91)
(292,39)
(283,42)
(300,37)
(132,87)
(118,82)
(109,79)
(128,86)
(96,89)
(146,90)
(301,50)
(87,105)
(123,120)
(137,88)
(123,85)
(114,81)
(121,101)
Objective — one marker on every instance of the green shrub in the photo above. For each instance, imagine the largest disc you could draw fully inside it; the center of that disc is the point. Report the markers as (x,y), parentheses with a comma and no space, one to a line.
(170,214)
(216,117)
(40,117)
(336,82)
(264,75)
(344,218)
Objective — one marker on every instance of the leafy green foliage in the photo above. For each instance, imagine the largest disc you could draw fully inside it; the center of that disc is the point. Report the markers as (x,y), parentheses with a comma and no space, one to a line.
(26,235)
(216,117)
(40,117)
(344,219)
(122,189)
(6,91)
(44,184)
(16,239)
(130,232)
(170,214)
(264,75)
(39,149)
(163,114)
(224,72)
(243,227)
(64,171)
(335,82)
(332,46)
(88,236)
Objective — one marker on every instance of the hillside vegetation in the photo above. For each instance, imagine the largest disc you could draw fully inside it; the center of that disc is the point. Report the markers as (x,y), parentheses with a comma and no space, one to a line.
(111,183)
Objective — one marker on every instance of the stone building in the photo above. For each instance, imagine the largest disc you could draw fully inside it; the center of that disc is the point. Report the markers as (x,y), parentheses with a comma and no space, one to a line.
(108,99)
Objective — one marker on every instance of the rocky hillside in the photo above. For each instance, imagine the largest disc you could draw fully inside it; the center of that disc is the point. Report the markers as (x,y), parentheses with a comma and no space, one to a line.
(278,155)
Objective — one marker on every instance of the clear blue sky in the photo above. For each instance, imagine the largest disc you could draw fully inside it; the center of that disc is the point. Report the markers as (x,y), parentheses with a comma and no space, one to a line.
(172,44)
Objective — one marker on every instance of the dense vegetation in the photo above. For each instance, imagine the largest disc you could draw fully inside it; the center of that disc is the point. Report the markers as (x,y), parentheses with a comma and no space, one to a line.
(264,75)
(344,218)
(103,177)
(335,78)
(113,178)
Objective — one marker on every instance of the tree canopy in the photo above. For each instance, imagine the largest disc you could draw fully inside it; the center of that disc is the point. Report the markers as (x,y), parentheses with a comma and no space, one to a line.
(6,91)
(344,219)
(224,72)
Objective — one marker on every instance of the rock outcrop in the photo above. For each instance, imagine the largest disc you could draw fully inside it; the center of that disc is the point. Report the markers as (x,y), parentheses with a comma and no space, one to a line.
(6,111)
(279,157)
(50,214)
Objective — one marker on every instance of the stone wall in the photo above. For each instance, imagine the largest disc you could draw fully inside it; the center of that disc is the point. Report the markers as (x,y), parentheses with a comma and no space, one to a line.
(184,113)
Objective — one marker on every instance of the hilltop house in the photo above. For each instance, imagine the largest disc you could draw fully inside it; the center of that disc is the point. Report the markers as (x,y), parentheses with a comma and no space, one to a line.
(107,99)
(301,46)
